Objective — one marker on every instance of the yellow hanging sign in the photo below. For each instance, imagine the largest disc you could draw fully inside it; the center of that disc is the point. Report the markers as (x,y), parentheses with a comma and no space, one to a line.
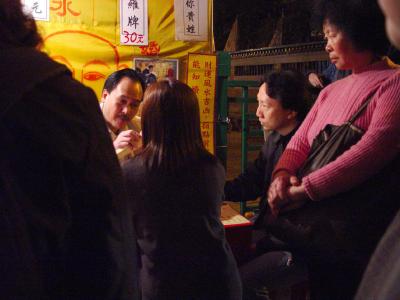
(85,36)
(201,77)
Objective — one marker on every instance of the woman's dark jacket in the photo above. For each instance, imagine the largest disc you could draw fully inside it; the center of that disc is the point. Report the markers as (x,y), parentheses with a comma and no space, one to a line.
(184,253)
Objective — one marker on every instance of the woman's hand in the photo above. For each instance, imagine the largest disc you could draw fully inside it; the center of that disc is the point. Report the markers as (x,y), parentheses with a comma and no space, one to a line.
(298,197)
(285,193)
(278,193)
(297,192)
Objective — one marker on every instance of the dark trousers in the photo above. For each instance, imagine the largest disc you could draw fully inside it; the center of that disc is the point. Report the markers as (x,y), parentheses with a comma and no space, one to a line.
(272,268)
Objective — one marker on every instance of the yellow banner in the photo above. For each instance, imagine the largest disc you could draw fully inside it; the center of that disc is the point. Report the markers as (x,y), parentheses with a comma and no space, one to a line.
(201,77)
(84,35)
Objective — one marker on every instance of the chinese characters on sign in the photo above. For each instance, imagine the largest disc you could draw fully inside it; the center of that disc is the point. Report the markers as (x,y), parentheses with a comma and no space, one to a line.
(134,20)
(38,8)
(62,7)
(191,20)
(191,17)
(202,69)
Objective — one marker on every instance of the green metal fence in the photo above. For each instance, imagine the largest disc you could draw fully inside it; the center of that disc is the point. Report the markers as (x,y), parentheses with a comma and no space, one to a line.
(223,84)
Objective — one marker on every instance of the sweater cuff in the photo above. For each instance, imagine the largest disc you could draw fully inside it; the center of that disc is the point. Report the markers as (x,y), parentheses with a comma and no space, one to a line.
(276,171)
(309,189)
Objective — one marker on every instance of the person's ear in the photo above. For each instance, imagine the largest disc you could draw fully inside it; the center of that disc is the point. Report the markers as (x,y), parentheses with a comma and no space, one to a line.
(104,95)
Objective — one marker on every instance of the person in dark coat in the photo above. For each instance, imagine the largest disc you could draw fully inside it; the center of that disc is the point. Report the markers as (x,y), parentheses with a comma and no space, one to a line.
(382,275)
(176,190)
(282,105)
(66,230)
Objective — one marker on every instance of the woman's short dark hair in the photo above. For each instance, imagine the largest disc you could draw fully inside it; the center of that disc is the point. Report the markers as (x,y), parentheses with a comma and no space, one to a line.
(290,89)
(170,126)
(17,28)
(113,80)
(361,20)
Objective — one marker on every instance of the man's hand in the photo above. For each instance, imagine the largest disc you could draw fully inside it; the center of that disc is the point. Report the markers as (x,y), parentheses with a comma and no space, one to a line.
(315,80)
(128,138)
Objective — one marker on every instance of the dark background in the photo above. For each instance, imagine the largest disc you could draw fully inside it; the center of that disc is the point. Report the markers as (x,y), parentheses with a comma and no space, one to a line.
(258,20)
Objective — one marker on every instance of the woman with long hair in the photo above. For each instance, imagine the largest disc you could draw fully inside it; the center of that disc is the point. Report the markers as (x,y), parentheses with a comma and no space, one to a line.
(176,189)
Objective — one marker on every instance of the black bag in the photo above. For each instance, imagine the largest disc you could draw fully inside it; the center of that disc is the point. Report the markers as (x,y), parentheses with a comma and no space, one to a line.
(326,147)
(331,142)
(330,229)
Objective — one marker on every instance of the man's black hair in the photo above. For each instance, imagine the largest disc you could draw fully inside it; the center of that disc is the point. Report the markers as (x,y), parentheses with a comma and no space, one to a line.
(289,88)
(113,80)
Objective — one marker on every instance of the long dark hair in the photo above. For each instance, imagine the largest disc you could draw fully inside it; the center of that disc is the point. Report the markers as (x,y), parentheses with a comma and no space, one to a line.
(170,126)
(16,28)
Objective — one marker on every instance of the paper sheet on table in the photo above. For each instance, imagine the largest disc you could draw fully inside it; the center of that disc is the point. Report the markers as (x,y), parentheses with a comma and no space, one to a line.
(230,217)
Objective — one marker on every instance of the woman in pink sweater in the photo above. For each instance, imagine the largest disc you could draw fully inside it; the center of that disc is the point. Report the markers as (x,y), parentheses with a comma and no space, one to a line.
(349,218)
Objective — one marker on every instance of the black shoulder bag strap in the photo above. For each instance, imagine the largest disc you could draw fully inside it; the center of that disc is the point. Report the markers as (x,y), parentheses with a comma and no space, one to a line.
(332,141)
(361,109)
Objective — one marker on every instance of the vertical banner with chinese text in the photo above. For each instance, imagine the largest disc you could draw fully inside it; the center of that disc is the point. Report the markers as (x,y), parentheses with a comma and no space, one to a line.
(134,22)
(191,20)
(201,77)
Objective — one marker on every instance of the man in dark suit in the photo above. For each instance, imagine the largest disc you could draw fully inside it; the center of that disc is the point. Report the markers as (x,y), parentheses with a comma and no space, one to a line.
(282,105)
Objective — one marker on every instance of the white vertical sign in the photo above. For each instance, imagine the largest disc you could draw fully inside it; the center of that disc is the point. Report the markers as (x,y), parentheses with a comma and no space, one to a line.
(39,9)
(191,20)
(134,22)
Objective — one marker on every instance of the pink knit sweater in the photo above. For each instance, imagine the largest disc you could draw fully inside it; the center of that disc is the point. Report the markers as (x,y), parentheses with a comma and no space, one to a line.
(335,105)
